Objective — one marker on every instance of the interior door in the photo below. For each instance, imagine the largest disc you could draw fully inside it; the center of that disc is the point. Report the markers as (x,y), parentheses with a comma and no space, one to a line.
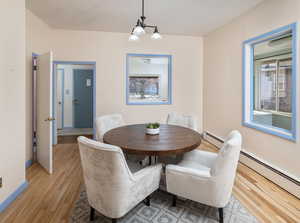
(83,98)
(44,117)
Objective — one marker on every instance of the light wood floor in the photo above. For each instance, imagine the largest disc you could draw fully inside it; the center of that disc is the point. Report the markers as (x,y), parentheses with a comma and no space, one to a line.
(49,198)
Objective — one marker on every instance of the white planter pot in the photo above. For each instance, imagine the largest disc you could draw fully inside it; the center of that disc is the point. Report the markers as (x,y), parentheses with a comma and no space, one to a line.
(152,131)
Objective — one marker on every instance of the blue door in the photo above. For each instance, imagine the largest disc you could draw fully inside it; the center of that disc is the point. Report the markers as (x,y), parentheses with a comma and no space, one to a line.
(83,98)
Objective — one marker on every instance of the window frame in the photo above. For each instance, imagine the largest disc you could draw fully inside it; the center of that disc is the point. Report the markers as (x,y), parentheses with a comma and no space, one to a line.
(248,82)
(169,57)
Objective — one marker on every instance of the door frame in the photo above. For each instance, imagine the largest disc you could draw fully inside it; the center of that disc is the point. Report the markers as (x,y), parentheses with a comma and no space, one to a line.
(57,62)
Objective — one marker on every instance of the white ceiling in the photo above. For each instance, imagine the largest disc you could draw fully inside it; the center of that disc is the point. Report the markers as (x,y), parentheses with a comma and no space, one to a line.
(184,17)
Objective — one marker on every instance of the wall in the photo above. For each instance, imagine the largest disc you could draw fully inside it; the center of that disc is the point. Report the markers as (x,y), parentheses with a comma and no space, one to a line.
(12,98)
(223,83)
(68,90)
(109,51)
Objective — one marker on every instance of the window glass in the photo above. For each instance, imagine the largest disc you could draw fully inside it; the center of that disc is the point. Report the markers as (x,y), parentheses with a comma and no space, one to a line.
(273,82)
(284,86)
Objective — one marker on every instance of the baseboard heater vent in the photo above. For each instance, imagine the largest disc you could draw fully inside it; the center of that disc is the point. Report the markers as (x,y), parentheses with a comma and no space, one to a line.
(248,160)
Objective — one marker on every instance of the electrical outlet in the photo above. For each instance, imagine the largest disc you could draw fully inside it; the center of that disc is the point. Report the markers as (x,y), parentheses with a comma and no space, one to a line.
(0,182)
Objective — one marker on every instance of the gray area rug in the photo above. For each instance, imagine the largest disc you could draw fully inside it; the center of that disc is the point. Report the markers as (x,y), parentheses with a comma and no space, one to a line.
(161,211)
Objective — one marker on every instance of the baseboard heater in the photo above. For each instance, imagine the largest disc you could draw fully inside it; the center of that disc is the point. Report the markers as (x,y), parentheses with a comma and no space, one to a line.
(288,183)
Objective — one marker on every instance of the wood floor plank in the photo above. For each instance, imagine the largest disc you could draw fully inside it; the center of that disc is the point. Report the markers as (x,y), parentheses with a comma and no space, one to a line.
(50,198)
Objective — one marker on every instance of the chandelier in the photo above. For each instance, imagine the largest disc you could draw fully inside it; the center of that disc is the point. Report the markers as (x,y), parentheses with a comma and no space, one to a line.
(139,29)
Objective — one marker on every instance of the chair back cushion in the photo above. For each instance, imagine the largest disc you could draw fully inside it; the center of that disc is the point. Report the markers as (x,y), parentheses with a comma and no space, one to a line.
(106,175)
(106,123)
(187,121)
(224,168)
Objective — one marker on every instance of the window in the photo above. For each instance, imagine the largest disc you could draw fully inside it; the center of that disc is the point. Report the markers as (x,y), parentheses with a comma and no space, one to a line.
(269,79)
(148,79)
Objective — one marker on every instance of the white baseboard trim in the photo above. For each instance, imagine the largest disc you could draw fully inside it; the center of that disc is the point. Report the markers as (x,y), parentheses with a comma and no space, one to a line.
(280,177)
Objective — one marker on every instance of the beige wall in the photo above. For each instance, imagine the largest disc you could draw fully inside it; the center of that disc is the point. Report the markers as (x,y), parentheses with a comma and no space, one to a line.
(223,82)
(109,51)
(12,98)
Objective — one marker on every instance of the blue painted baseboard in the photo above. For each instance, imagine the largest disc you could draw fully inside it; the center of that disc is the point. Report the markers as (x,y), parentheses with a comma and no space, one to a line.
(28,163)
(13,196)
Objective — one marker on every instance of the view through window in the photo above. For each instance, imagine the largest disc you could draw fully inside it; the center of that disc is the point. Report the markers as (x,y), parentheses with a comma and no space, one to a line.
(273,82)
(144,87)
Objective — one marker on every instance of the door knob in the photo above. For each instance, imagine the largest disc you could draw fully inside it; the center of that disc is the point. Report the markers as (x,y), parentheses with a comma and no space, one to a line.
(49,119)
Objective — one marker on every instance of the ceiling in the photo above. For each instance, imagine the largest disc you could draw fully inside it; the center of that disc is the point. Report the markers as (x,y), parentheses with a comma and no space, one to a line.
(182,17)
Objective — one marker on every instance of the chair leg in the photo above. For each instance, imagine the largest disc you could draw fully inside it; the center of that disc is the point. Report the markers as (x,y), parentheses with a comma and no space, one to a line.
(221,219)
(174,200)
(147,201)
(92,214)
(114,220)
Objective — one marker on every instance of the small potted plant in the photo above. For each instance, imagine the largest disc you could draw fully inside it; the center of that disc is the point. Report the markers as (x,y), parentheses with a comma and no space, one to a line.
(152,128)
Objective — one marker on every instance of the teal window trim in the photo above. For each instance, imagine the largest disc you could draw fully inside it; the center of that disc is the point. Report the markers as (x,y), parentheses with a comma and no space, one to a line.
(169,102)
(248,74)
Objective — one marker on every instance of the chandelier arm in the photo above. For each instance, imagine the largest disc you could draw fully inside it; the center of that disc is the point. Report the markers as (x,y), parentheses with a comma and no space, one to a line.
(149,26)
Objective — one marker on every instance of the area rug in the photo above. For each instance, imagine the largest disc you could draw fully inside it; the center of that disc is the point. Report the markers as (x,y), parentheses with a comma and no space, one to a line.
(161,211)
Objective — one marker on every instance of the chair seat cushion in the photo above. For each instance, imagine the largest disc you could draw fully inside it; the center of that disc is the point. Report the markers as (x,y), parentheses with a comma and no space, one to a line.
(194,166)
(201,157)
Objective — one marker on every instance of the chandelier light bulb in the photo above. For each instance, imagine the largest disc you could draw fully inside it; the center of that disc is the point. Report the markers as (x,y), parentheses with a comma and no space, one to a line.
(138,30)
(156,34)
(133,37)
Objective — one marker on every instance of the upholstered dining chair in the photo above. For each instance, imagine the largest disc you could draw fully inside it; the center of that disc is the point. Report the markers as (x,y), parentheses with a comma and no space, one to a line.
(187,121)
(183,120)
(112,189)
(106,123)
(206,177)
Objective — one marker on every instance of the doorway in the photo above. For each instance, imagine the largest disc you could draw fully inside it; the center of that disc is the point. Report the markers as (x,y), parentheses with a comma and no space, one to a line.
(49,92)
(74,104)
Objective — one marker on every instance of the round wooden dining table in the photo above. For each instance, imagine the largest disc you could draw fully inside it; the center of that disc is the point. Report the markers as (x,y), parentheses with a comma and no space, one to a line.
(171,140)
